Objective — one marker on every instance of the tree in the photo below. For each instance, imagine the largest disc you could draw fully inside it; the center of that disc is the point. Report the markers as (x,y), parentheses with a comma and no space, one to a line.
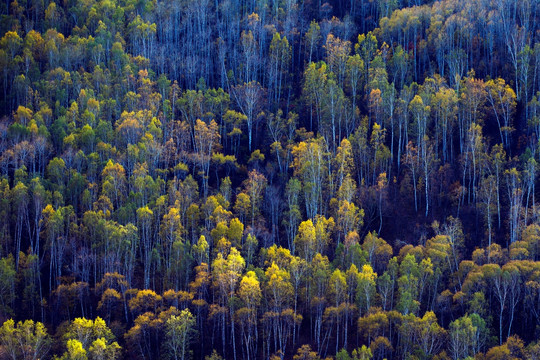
(21,204)
(312,37)
(333,113)
(86,331)
(366,287)
(366,47)
(250,98)
(179,332)
(444,106)
(75,351)
(292,216)
(7,284)
(464,335)
(355,68)
(214,356)
(315,79)
(251,295)
(305,353)
(280,57)
(408,285)
(297,268)
(114,182)
(412,161)
(144,218)
(26,340)
(250,48)
(320,270)
(99,350)
(56,169)
(531,235)
(206,141)
(277,320)
(144,301)
(487,197)
(338,295)
(171,234)
(473,97)
(242,206)
(349,218)
(305,240)
(503,103)
(373,325)
(90,336)
(514,179)
(432,335)
(310,165)
(235,232)
(254,187)
(58,227)
(378,250)
(39,199)
(226,273)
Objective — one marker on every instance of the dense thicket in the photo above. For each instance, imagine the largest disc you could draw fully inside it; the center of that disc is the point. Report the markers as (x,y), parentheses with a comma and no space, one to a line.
(269,179)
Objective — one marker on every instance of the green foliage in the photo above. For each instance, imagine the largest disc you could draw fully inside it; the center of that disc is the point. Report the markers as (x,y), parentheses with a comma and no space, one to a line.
(26,340)
(179,332)
(280,171)
(7,284)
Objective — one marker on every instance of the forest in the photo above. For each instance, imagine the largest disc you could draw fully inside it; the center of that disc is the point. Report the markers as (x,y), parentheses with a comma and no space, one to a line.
(269,179)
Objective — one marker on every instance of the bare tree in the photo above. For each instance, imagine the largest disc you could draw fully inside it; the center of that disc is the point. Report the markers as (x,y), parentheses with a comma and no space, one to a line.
(250,98)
